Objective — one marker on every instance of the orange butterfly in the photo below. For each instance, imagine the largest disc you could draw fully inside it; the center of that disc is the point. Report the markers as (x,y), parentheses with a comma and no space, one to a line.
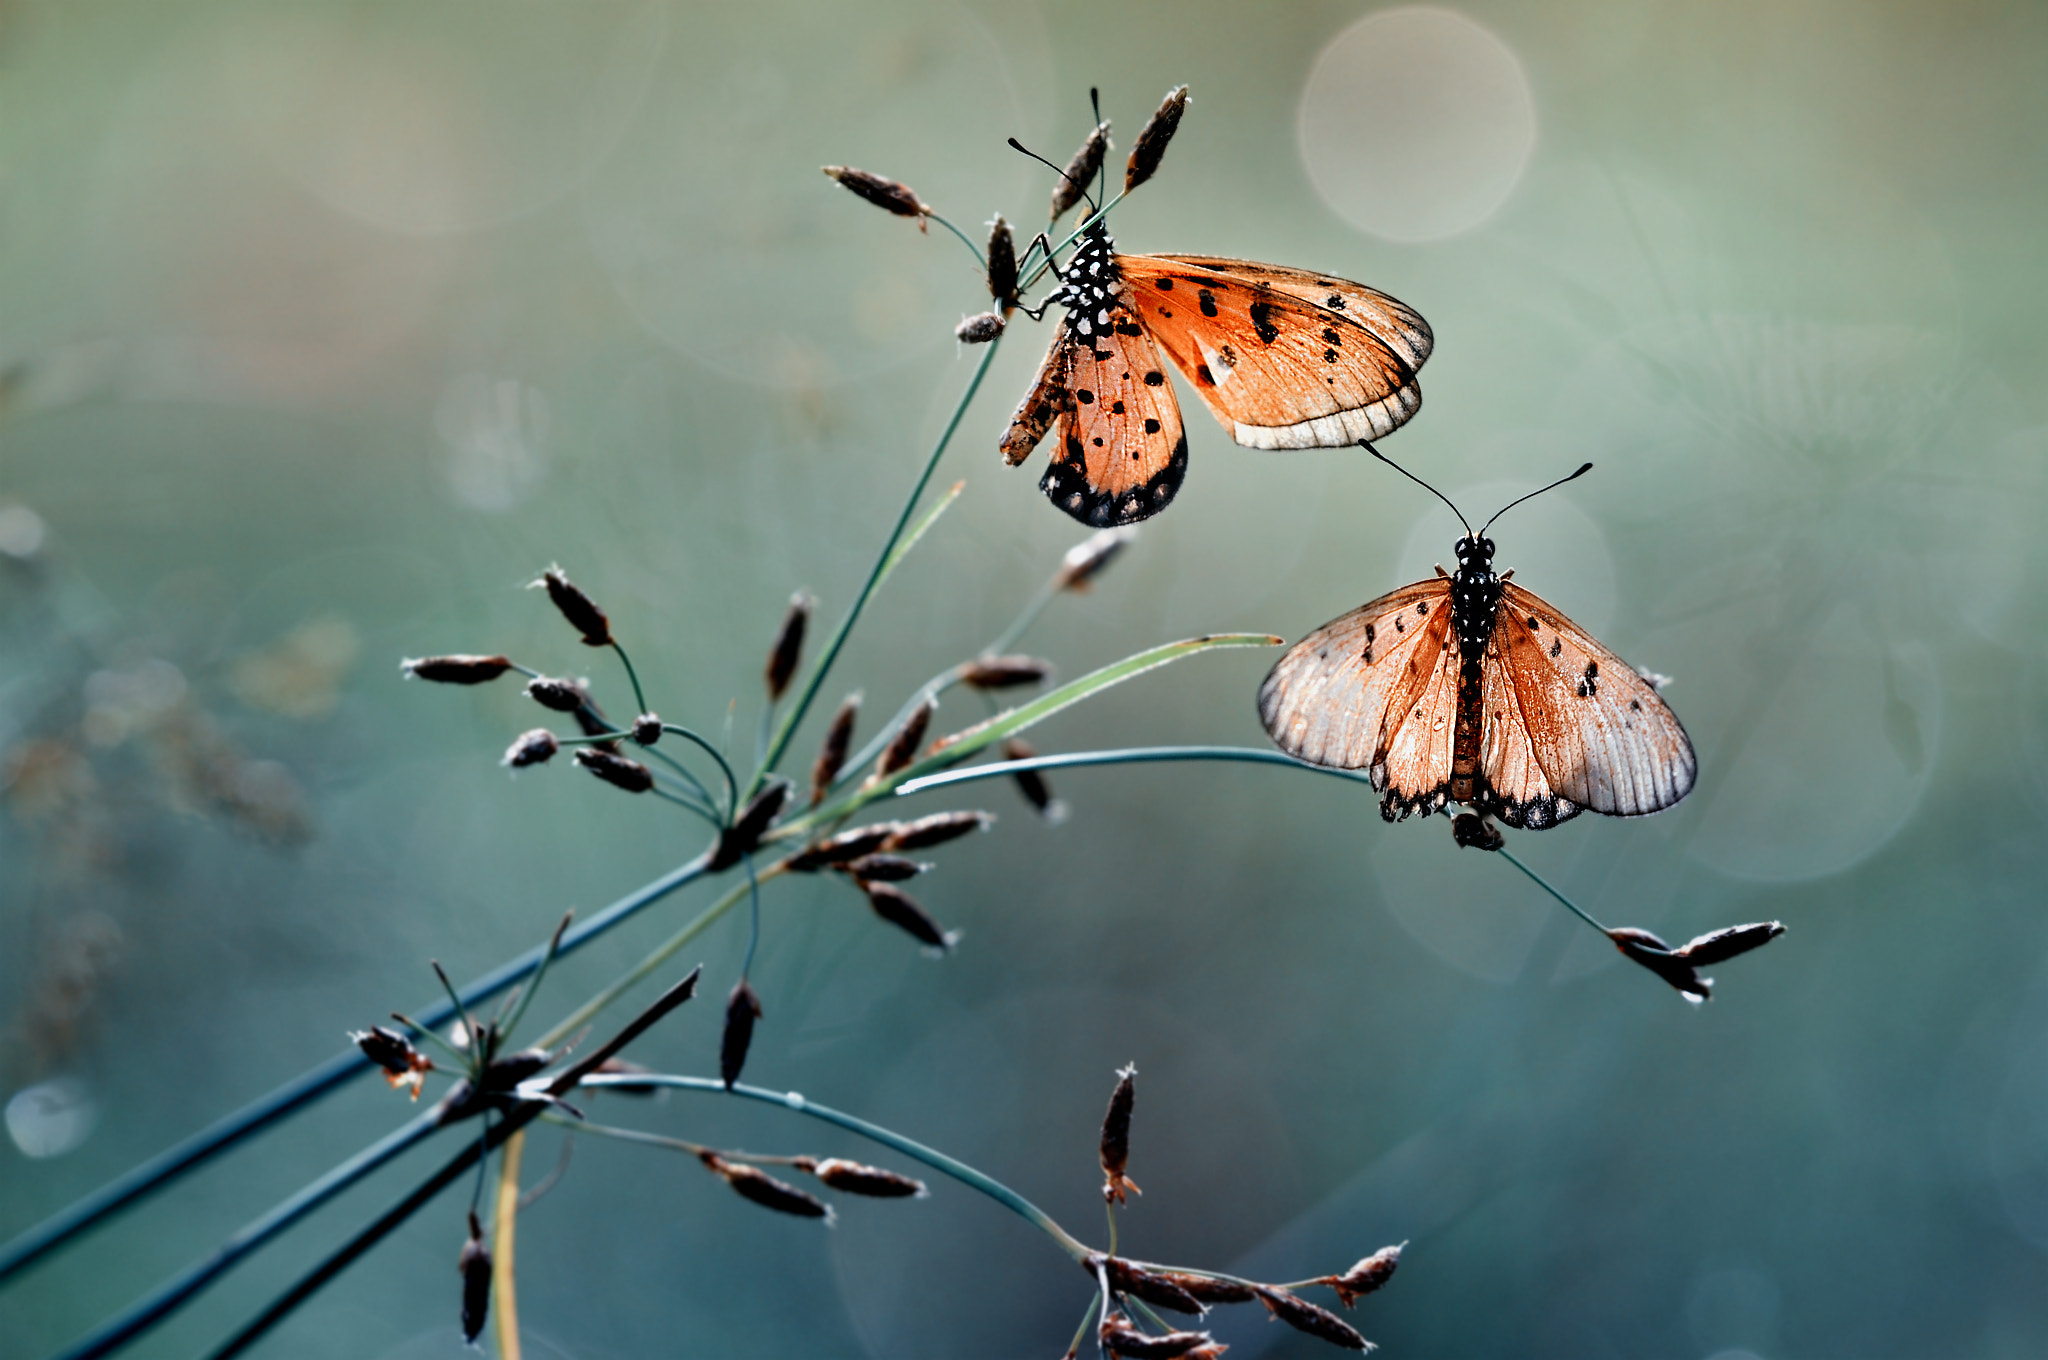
(1285,358)
(1469,689)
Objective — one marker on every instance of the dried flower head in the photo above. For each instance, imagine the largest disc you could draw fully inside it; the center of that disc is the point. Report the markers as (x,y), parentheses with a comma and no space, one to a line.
(1304,1316)
(1032,783)
(558,695)
(1002,264)
(647,729)
(763,1189)
(1153,137)
(1080,172)
(902,748)
(579,609)
(844,847)
(1366,1276)
(616,769)
(854,1178)
(1116,1137)
(532,748)
(1156,1287)
(1087,559)
(884,868)
(742,1009)
(1721,945)
(455,670)
(1004,672)
(1680,967)
(832,750)
(896,907)
(1207,1289)
(739,839)
(887,194)
(475,1266)
(403,1064)
(936,829)
(789,645)
(1121,1338)
(978,329)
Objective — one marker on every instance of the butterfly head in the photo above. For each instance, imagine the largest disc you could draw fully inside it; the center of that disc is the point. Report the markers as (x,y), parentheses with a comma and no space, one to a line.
(1475,554)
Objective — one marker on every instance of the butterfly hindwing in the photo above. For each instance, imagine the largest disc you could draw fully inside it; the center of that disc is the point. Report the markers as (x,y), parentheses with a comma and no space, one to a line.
(1122,452)
(1601,733)
(1043,402)
(1279,366)
(1513,785)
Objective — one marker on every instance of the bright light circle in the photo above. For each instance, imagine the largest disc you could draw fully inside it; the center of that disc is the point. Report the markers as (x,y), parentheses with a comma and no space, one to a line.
(1416,123)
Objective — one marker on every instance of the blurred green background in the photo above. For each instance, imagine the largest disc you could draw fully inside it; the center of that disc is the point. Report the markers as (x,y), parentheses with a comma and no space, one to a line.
(325,326)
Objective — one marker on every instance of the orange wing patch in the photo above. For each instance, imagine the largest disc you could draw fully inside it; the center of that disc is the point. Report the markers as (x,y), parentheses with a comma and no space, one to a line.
(1285,359)
(1373,690)
(1603,736)
(1120,449)
(1513,786)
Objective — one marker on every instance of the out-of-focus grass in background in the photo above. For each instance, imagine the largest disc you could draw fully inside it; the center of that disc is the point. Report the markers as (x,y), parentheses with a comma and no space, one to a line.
(325,326)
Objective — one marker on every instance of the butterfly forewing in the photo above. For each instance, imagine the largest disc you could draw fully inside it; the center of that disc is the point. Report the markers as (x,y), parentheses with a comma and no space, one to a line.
(1279,368)
(1336,697)
(1600,732)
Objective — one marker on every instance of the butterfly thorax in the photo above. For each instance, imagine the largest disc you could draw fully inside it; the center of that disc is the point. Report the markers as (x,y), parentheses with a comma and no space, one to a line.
(1475,604)
(1090,282)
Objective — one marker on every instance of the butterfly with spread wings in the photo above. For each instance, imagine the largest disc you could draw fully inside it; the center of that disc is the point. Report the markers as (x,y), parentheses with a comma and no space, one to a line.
(1285,358)
(1469,689)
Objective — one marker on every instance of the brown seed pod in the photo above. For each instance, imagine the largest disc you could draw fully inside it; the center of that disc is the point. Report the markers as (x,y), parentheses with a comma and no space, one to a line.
(616,769)
(475,1266)
(789,645)
(1002,264)
(978,329)
(854,1178)
(536,747)
(884,868)
(647,729)
(559,695)
(403,1064)
(1004,672)
(1645,948)
(936,829)
(1087,559)
(832,751)
(1032,783)
(902,748)
(742,1009)
(1304,1316)
(1116,1137)
(1721,945)
(1153,137)
(455,670)
(763,1189)
(1158,1288)
(1207,1289)
(1080,172)
(1368,1275)
(579,609)
(898,908)
(745,833)
(844,847)
(887,194)
(1121,1338)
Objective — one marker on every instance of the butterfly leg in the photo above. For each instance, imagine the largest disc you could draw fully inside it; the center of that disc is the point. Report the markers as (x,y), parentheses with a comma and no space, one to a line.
(1044,243)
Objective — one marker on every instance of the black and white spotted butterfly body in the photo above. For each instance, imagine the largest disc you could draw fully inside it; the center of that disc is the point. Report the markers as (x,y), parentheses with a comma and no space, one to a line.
(1090,283)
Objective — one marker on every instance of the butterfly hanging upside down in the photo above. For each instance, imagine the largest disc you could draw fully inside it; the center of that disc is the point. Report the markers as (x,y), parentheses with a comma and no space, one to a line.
(1469,689)
(1286,359)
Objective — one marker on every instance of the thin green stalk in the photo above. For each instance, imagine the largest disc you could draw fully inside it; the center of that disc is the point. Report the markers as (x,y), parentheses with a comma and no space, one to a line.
(1027,616)
(931,1157)
(688,804)
(823,666)
(732,784)
(1130,755)
(632,677)
(1086,222)
(1544,884)
(525,992)
(972,248)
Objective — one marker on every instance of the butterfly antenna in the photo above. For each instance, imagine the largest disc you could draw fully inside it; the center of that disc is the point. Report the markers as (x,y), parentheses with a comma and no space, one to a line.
(1016,145)
(1584,468)
(1366,444)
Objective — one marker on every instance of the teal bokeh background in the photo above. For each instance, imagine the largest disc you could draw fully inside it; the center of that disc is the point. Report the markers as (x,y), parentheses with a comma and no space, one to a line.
(324,328)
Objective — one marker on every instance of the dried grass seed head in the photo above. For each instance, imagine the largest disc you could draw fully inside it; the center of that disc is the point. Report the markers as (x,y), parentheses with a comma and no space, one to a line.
(739,840)
(754,1184)
(742,1009)
(832,750)
(1158,1288)
(856,1178)
(890,195)
(789,645)
(404,1065)
(902,748)
(1032,783)
(1150,147)
(474,1264)
(936,829)
(1719,946)
(1116,1137)
(1004,672)
(558,694)
(844,847)
(536,747)
(1317,1321)
(899,909)
(1002,263)
(579,609)
(884,868)
(615,769)
(456,669)
(1074,182)
(1091,556)
(978,329)
(1645,948)
(1121,1338)
(1367,1275)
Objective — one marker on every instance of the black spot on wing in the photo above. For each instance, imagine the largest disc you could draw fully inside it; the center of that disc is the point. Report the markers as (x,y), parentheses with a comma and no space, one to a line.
(1208,302)
(1262,322)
